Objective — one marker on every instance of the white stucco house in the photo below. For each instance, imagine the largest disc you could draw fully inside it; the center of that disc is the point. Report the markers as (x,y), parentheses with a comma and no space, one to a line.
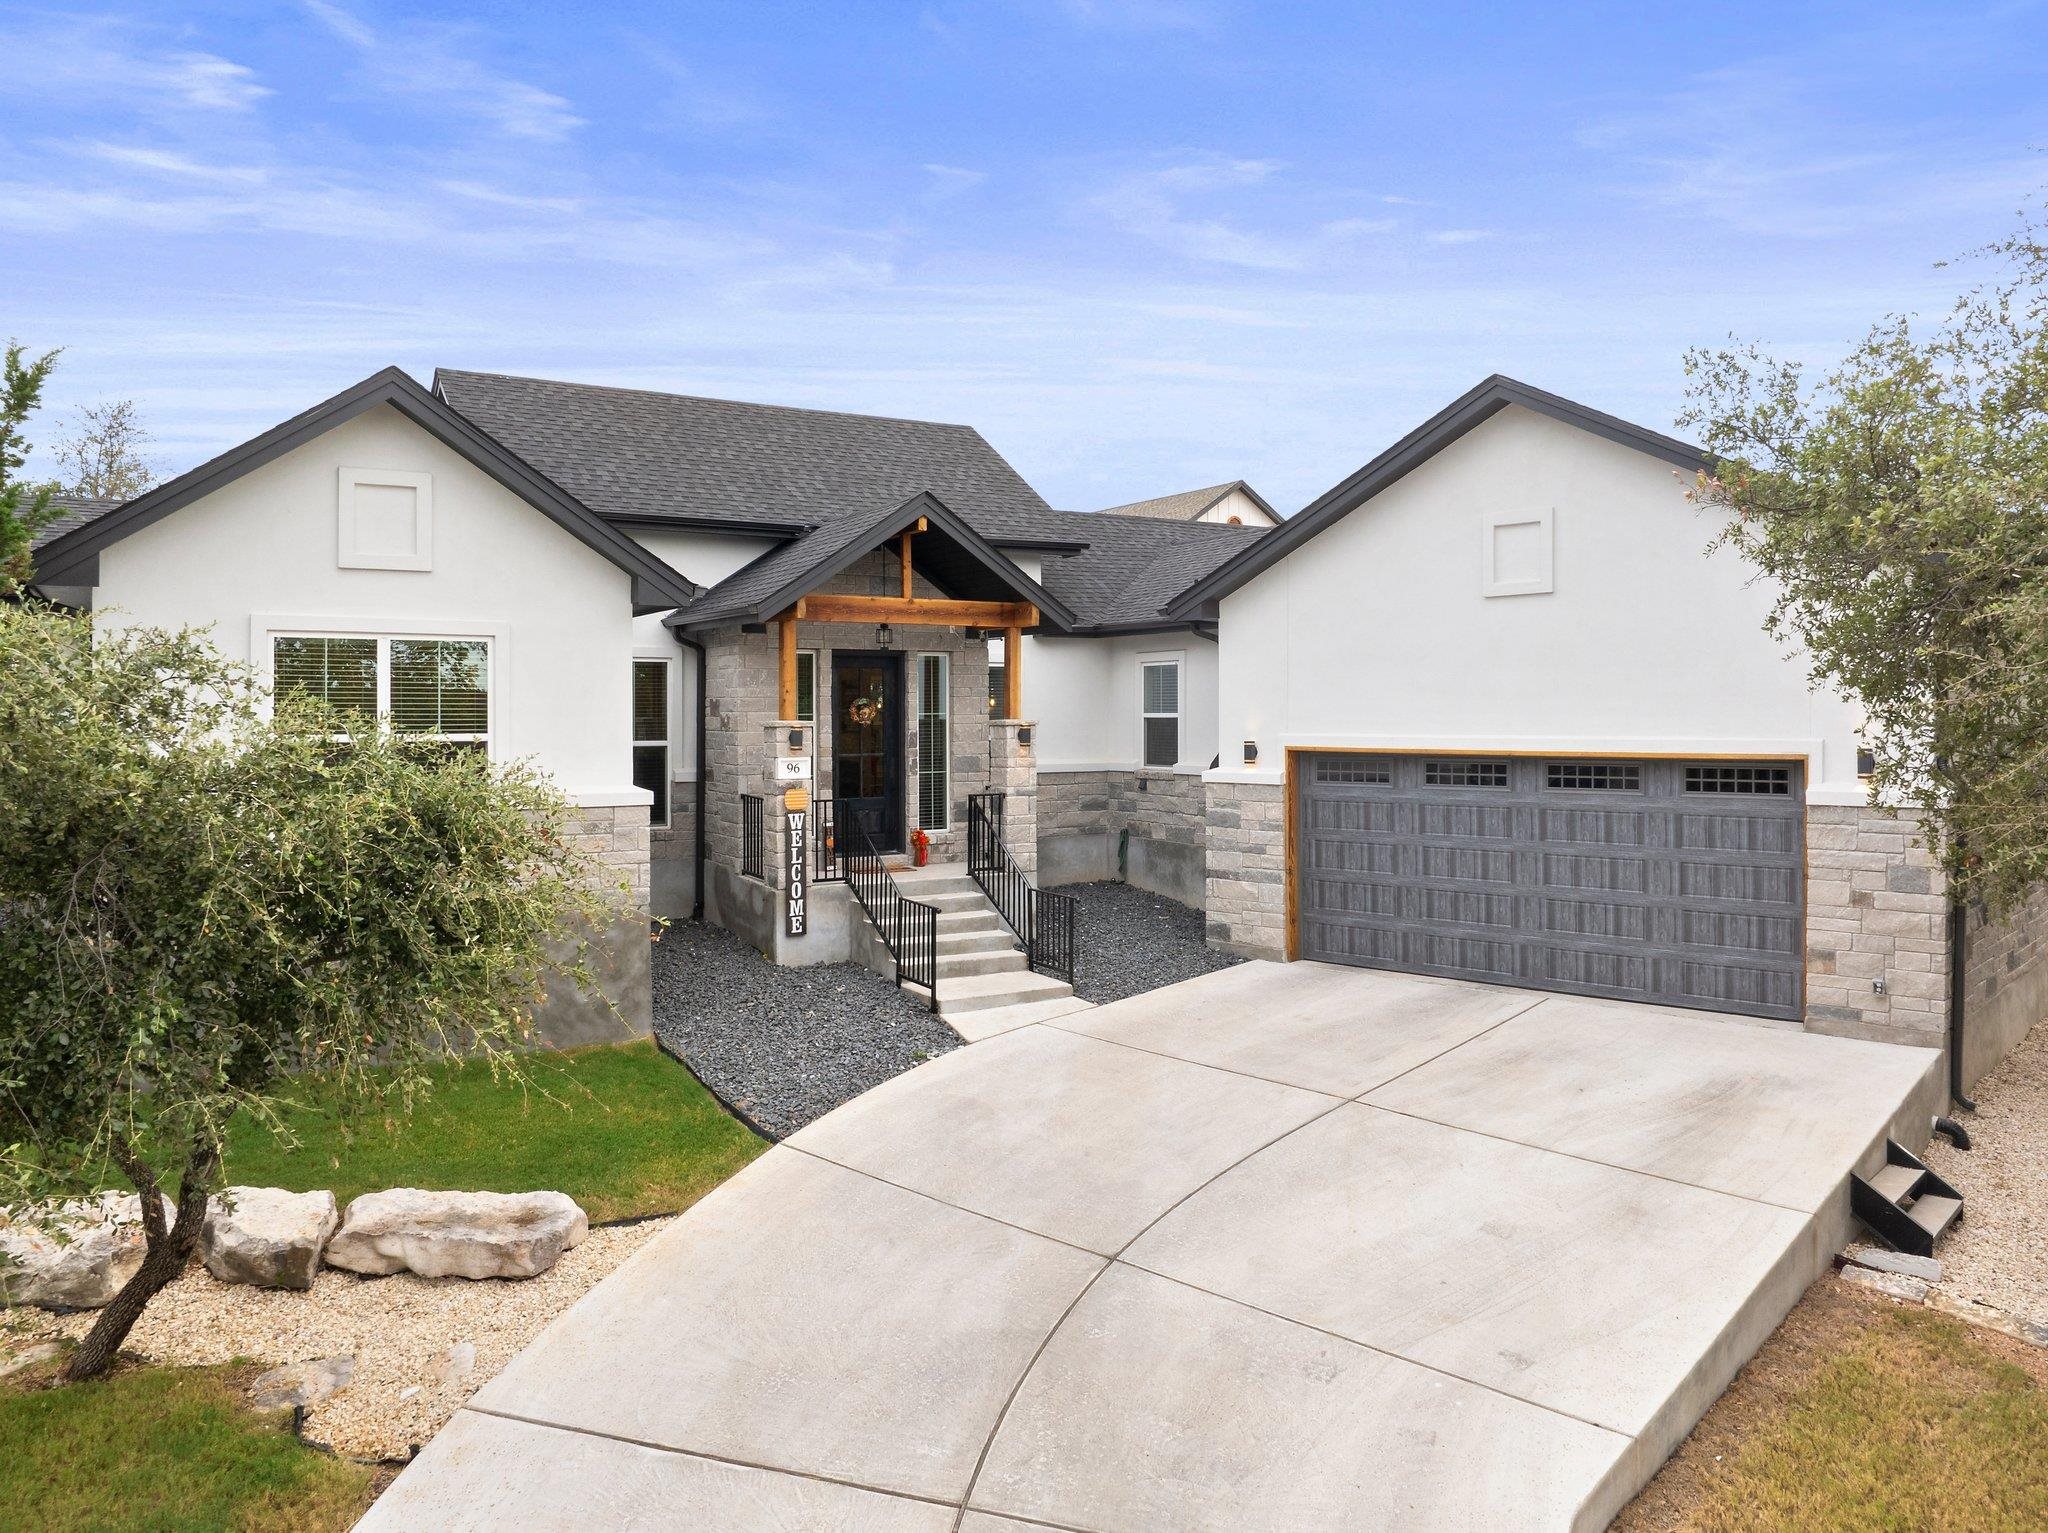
(1495,707)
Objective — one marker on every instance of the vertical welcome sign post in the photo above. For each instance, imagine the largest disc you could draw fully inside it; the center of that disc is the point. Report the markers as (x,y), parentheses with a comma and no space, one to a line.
(796,819)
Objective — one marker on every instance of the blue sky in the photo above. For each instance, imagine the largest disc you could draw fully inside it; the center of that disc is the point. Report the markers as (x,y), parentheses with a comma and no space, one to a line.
(1141,244)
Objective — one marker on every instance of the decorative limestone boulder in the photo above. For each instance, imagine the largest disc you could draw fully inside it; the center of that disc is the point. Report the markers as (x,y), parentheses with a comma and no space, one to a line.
(267,1236)
(101,1246)
(301,1383)
(457,1234)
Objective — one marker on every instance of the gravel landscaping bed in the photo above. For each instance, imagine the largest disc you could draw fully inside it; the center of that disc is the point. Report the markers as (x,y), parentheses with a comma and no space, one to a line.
(1130,942)
(400,1330)
(784,1045)
(1998,1254)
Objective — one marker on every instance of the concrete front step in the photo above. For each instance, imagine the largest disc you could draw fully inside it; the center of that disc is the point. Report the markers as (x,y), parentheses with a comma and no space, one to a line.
(945,901)
(977,1025)
(995,939)
(958,965)
(982,920)
(980,992)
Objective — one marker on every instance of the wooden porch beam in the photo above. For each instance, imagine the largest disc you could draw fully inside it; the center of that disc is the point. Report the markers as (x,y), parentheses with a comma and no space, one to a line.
(786,691)
(917,610)
(1013,672)
(906,564)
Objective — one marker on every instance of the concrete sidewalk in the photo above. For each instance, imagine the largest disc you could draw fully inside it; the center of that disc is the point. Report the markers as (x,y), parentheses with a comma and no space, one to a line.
(1283,1247)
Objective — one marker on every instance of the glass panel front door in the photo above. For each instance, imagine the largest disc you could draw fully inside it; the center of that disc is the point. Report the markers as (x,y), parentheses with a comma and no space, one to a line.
(867,744)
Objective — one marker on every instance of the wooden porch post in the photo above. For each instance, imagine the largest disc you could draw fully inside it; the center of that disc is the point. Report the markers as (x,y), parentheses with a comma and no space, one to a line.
(1013,672)
(906,564)
(786,702)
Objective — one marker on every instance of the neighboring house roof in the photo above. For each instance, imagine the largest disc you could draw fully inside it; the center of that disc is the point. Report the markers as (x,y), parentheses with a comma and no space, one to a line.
(73,512)
(71,557)
(633,455)
(772,583)
(1133,566)
(1469,410)
(1190,504)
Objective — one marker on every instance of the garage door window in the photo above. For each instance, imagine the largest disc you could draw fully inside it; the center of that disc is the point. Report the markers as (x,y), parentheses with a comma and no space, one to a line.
(1465,774)
(1162,713)
(1593,776)
(1328,770)
(1775,781)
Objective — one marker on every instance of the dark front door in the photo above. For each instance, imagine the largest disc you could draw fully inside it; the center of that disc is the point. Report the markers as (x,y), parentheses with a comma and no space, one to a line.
(867,744)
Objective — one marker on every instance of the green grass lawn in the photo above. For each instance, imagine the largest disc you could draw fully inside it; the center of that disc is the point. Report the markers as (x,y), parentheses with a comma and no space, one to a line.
(165,1450)
(1863,1415)
(622,1129)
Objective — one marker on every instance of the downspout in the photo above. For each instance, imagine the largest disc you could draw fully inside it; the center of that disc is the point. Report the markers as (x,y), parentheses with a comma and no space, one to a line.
(1958,972)
(697,880)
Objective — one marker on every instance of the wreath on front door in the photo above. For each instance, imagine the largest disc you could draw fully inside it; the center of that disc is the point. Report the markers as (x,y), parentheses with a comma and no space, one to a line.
(864,710)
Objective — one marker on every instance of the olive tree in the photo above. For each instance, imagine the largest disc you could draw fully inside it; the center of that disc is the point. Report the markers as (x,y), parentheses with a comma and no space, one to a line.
(1899,504)
(201,896)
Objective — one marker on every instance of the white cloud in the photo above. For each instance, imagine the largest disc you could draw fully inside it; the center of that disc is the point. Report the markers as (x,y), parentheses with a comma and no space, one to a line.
(951,180)
(422,62)
(168,162)
(1156,206)
(81,59)
(1460,236)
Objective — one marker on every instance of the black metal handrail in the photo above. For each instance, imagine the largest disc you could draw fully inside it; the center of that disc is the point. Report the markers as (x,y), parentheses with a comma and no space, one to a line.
(909,928)
(750,835)
(1042,919)
(825,867)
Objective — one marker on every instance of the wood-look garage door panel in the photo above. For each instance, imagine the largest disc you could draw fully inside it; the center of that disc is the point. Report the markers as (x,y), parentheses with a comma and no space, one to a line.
(1674,882)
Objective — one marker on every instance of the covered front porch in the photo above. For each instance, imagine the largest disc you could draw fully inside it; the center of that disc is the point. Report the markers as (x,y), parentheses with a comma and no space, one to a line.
(849,714)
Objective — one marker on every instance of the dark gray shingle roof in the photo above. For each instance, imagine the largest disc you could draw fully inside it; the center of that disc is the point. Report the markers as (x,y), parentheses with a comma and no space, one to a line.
(1184,507)
(635,455)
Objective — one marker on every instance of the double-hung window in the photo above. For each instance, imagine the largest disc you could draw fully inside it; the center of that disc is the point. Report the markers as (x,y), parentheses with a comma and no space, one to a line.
(428,689)
(934,742)
(1162,712)
(650,735)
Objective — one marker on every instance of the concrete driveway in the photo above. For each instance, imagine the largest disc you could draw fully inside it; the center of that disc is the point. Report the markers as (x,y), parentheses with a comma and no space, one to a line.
(1284,1247)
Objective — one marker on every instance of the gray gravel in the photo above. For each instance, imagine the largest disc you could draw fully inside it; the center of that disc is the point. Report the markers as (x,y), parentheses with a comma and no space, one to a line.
(1131,942)
(783,1046)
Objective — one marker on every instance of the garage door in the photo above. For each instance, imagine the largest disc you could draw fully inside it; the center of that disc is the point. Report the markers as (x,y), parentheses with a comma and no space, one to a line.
(1668,881)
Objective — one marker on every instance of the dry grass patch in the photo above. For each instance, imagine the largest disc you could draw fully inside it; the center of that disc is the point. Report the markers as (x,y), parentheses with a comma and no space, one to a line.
(1863,1414)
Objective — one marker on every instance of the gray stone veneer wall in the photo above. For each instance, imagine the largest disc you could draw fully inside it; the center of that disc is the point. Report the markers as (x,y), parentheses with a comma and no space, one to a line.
(2005,983)
(1083,815)
(1247,868)
(1876,909)
(620,958)
(671,851)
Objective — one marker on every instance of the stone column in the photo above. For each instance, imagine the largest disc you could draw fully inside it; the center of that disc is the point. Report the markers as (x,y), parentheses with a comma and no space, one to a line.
(1013,772)
(1247,868)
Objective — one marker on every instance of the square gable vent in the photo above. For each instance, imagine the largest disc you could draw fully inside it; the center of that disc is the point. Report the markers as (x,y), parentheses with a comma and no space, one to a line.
(386,520)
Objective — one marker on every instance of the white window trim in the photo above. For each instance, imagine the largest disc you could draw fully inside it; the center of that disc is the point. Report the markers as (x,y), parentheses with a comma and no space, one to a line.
(348,556)
(1178,660)
(265,627)
(667,742)
(946,758)
(1538,585)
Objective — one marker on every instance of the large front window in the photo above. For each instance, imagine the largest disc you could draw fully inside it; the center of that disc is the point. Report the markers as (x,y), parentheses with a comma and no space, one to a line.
(427,689)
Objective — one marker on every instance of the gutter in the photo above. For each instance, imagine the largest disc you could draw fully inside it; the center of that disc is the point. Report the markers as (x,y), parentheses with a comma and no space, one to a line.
(703,770)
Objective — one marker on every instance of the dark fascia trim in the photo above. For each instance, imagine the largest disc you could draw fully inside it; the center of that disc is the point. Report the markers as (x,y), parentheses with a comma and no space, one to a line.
(684,522)
(1469,410)
(656,587)
(1042,545)
(1116,630)
(1256,499)
(923,504)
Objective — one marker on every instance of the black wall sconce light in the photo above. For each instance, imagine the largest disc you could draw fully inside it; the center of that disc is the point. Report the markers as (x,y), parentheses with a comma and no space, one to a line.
(884,636)
(796,740)
(1024,735)
(1251,753)
(1866,761)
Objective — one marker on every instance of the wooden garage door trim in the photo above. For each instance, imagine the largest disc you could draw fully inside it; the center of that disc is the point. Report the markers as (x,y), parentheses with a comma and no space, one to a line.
(1291,832)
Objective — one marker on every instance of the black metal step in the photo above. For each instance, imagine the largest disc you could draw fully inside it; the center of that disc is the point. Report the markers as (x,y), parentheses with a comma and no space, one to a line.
(1905,1205)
